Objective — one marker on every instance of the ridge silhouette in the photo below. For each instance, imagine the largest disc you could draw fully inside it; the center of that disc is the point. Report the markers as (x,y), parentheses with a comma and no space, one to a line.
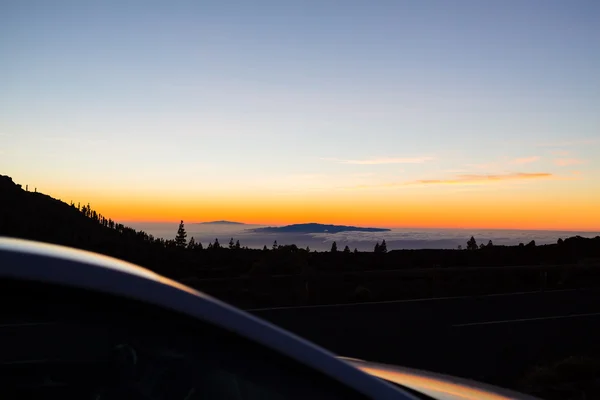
(281,274)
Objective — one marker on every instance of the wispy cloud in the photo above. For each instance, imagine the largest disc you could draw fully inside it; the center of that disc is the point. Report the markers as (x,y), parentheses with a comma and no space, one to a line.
(475,179)
(472,179)
(383,160)
(525,160)
(565,162)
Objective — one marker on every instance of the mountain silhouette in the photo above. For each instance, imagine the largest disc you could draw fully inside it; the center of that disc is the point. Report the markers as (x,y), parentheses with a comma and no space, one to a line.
(220,223)
(316,228)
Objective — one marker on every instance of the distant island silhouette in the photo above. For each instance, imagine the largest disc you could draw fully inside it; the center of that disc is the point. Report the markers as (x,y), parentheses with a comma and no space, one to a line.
(284,274)
(220,223)
(316,228)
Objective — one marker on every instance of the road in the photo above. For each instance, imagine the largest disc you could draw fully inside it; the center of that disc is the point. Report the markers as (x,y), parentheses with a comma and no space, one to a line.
(493,338)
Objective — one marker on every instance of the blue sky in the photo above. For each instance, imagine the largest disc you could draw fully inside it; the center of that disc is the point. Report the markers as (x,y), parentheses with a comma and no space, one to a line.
(235,97)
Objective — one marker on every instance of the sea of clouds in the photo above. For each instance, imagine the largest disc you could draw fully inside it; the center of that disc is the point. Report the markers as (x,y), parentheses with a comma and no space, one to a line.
(364,241)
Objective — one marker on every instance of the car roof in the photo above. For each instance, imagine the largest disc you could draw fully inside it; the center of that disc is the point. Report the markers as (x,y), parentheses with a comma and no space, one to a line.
(34,261)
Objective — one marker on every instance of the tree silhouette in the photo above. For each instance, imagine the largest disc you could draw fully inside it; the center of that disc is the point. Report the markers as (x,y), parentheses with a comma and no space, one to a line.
(231,244)
(41,218)
(334,247)
(380,248)
(307,249)
(472,244)
(180,239)
(265,248)
(275,245)
(383,247)
(216,245)
(355,250)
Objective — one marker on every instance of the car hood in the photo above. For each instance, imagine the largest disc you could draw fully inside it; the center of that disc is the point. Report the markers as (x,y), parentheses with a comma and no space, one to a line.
(437,386)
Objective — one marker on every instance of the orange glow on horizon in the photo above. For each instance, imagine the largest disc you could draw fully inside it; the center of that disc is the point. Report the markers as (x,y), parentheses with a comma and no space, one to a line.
(570,207)
(523,214)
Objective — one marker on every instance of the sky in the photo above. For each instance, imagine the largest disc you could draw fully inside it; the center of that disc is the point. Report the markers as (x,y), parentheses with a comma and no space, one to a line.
(482,114)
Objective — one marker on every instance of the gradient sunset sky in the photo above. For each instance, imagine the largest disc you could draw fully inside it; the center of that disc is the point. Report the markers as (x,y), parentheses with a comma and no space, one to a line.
(377,113)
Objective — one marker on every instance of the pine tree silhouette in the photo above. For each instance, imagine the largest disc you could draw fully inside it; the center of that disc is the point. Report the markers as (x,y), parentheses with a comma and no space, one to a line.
(180,239)
(472,244)
(383,247)
(334,247)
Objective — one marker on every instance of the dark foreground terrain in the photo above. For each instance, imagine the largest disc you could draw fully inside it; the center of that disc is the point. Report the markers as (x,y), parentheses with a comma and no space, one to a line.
(494,338)
(491,312)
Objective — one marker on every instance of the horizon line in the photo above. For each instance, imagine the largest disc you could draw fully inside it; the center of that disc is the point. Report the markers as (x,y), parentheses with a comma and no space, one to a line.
(369,226)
